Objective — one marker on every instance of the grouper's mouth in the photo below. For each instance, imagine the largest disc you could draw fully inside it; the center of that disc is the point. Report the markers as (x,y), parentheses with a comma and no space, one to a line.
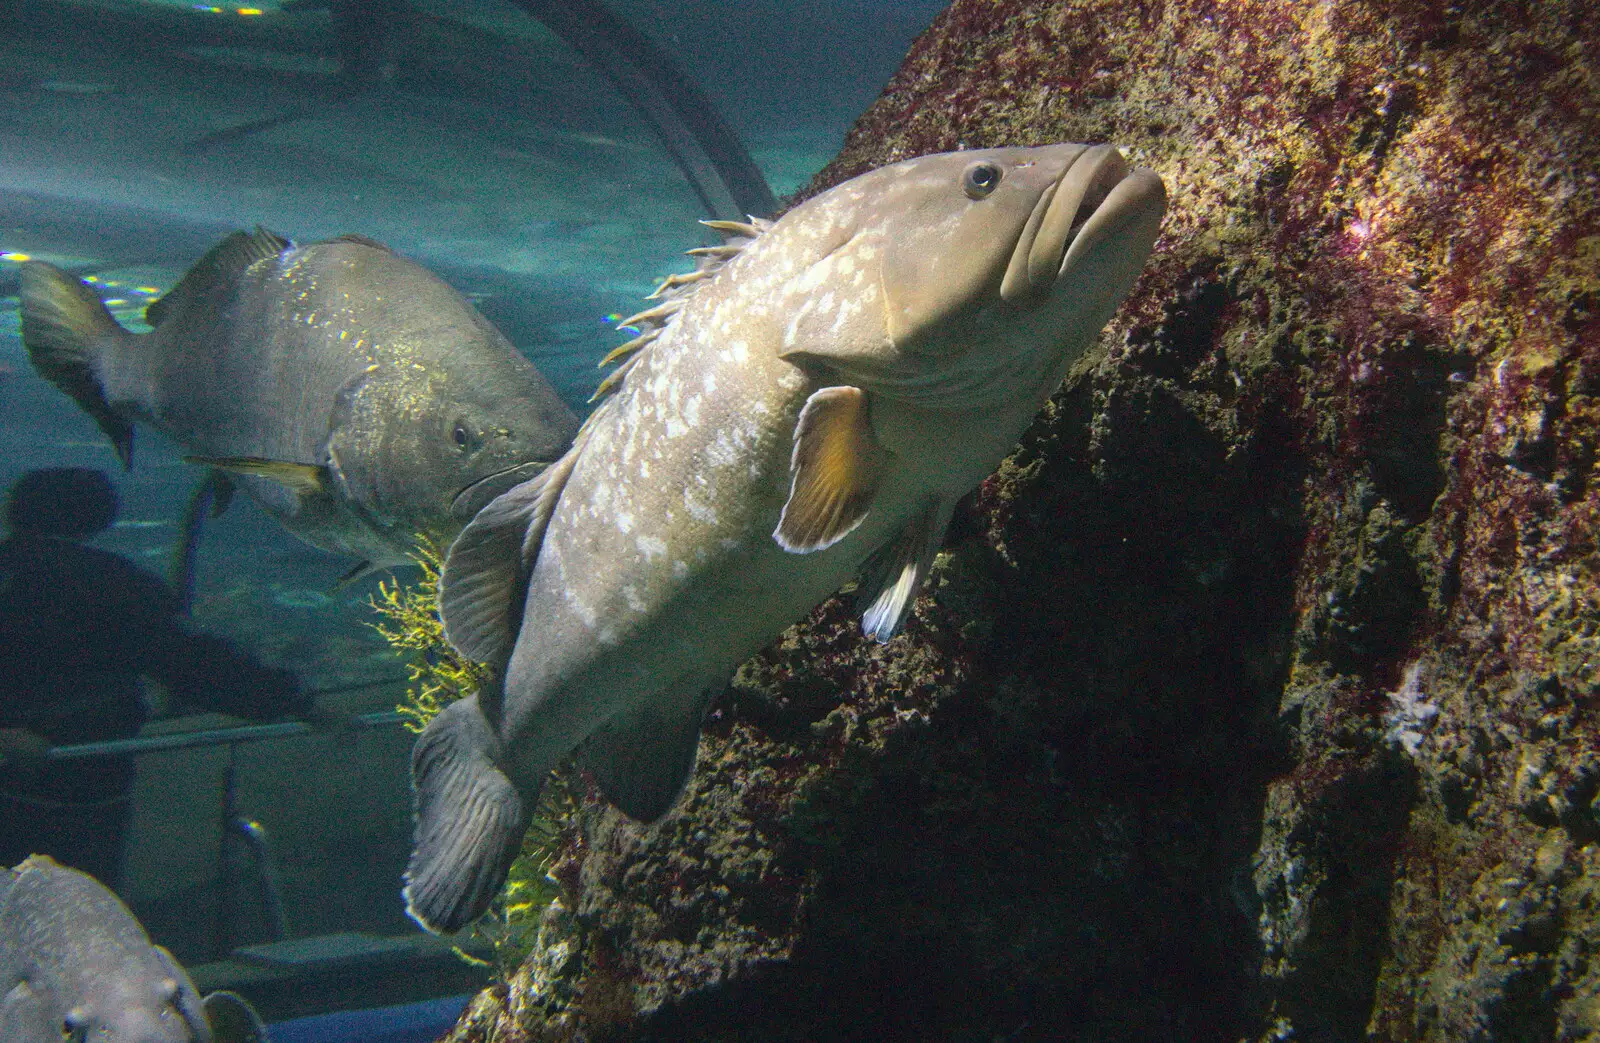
(476,496)
(1094,202)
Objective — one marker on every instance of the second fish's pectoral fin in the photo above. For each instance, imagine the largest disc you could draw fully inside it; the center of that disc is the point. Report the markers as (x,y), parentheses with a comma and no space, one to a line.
(485,573)
(897,572)
(834,471)
(642,758)
(301,479)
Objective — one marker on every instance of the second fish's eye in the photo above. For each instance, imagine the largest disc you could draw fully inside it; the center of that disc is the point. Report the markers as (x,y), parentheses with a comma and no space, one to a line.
(462,436)
(980,179)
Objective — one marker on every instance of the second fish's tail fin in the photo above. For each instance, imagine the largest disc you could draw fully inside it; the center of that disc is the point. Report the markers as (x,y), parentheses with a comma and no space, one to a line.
(65,328)
(470,821)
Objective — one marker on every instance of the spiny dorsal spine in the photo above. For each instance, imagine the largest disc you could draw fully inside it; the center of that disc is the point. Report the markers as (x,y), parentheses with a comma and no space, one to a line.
(674,292)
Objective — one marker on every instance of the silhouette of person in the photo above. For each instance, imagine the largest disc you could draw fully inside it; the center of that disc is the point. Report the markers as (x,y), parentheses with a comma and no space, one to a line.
(79,627)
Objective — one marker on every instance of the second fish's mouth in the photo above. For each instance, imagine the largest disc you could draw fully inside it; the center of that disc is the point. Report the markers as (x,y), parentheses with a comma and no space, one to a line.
(1058,218)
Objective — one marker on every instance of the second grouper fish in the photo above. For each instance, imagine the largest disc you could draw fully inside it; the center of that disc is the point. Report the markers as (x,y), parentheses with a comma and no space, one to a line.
(359,398)
(807,406)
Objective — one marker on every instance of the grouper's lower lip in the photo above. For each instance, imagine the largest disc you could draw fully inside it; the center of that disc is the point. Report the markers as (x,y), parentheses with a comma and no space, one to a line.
(1062,211)
(475,497)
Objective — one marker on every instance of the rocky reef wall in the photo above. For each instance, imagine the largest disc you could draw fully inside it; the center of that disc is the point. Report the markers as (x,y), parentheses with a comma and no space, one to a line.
(1256,696)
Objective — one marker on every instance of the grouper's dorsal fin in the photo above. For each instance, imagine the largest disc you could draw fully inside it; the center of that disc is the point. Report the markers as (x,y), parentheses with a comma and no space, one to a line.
(893,576)
(833,471)
(221,265)
(673,293)
(485,573)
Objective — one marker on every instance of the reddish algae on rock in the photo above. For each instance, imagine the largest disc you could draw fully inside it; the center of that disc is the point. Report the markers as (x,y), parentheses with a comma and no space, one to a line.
(1256,697)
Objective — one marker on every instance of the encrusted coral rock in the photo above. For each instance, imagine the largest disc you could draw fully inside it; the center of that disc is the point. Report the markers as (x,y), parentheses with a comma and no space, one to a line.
(1256,696)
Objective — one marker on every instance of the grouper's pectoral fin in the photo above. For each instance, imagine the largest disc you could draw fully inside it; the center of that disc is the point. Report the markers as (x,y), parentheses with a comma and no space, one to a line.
(485,573)
(896,573)
(642,758)
(470,820)
(834,471)
(300,479)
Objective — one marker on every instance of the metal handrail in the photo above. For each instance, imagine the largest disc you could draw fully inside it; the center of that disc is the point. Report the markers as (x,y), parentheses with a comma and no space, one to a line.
(208,737)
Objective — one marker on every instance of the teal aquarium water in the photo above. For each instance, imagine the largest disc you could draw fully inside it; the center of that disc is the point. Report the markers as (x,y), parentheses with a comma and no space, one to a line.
(548,162)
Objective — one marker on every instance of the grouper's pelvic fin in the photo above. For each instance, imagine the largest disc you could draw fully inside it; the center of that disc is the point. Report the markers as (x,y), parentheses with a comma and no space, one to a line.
(221,266)
(65,329)
(895,574)
(470,820)
(643,757)
(833,471)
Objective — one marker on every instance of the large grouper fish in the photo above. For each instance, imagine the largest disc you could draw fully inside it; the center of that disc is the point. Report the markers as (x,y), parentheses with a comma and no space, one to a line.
(807,406)
(76,967)
(356,396)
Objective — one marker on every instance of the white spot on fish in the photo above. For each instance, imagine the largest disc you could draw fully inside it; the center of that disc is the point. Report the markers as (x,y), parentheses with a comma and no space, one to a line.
(650,547)
(581,609)
(699,511)
(722,452)
(680,570)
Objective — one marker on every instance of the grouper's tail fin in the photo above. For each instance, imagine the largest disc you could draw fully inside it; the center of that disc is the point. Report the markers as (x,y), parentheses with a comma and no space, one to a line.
(470,821)
(65,328)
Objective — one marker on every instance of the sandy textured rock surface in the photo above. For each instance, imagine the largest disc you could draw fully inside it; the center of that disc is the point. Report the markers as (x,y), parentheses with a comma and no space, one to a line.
(1256,696)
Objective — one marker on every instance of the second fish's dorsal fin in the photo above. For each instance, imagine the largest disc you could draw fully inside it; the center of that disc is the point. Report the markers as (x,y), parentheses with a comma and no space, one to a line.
(221,265)
(485,572)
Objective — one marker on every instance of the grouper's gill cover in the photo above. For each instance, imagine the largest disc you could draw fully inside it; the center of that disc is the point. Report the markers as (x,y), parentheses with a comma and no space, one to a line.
(360,399)
(805,407)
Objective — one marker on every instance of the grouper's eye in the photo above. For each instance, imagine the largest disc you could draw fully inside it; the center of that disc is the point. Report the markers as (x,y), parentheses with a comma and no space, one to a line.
(462,436)
(980,179)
